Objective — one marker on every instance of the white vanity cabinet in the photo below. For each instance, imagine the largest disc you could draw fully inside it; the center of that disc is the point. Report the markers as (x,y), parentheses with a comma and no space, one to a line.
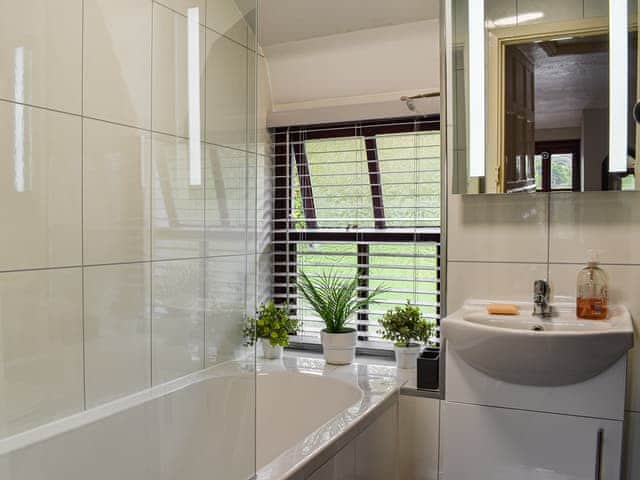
(532,398)
(489,443)
(495,430)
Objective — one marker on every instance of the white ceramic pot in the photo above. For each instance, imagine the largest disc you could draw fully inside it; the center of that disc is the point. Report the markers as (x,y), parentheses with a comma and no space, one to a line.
(269,352)
(407,357)
(339,348)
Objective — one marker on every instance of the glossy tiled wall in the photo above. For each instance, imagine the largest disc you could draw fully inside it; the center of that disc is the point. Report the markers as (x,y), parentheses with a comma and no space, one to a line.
(119,267)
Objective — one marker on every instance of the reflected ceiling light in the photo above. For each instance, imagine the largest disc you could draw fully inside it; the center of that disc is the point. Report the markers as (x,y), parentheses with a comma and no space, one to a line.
(193,72)
(477,110)
(618,85)
(516,19)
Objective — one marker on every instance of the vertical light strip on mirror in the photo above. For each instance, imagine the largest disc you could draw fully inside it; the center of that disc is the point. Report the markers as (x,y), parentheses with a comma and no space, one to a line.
(477,112)
(19,121)
(193,72)
(618,85)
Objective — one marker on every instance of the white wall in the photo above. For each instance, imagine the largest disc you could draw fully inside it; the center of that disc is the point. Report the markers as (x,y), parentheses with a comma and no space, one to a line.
(354,75)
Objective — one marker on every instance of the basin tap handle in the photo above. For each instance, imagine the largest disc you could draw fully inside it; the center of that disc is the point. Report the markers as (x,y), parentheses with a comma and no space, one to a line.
(540,291)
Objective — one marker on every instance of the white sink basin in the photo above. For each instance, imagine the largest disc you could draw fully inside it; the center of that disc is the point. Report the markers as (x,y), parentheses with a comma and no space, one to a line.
(529,350)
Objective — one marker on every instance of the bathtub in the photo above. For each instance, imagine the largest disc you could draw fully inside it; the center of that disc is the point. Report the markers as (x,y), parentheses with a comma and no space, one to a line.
(283,400)
(217,424)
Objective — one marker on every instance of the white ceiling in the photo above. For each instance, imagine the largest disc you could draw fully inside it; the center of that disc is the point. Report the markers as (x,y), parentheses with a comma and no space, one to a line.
(284,21)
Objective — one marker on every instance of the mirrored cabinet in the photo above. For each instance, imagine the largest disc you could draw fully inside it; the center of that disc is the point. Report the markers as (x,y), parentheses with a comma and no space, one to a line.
(542,95)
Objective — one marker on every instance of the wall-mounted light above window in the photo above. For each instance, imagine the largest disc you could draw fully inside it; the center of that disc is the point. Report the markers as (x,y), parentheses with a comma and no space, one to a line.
(618,85)
(477,108)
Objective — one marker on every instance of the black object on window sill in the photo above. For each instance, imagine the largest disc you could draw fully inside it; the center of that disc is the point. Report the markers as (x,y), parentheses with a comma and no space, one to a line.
(428,369)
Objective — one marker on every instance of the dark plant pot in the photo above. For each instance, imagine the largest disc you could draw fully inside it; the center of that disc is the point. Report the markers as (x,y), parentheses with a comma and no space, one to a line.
(428,369)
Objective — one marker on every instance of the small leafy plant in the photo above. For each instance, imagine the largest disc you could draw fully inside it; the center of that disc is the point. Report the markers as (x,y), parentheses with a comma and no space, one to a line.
(404,324)
(273,323)
(335,299)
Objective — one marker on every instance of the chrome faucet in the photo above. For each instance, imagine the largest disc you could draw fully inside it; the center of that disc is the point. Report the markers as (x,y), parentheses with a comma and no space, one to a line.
(541,306)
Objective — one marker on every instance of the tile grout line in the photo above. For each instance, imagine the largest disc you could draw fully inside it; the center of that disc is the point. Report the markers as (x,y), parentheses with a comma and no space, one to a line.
(120,124)
(205,266)
(111,264)
(82,239)
(204,25)
(151,303)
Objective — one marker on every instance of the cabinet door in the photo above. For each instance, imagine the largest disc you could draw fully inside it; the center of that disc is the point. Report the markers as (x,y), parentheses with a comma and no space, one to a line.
(486,443)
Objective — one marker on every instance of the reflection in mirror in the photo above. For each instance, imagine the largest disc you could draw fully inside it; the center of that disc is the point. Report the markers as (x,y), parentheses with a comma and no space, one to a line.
(548,102)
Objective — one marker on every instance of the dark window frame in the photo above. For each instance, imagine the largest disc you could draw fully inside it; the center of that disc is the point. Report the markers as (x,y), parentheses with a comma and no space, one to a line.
(289,142)
(559,147)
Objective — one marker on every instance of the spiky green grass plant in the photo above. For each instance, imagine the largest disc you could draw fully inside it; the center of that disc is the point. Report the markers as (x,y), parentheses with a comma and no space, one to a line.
(335,299)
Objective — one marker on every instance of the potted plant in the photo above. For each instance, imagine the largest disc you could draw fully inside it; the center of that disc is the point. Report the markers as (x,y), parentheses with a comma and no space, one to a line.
(335,300)
(272,326)
(404,326)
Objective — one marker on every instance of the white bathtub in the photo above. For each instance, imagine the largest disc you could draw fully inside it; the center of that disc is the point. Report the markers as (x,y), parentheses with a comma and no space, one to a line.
(290,406)
(201,427)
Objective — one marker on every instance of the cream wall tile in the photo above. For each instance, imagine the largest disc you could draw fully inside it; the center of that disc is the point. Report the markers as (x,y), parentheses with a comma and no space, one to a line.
(117,61)
(377,448)
(600,8)
(177,205)
(498,228)
(631,455)
(41,53)
(231,17)
(596,8)
(608,222)
(40,188)
(251,202)
(419,438)
(117,303)
(259,105)
(252,101)
(225,301)
(544,11)
(342,466)
(502,11)
(491,281)
(264,270)
(251,295)
(226,200)
(623,289)
(183,7)
(171,96)
(178,318)
(117,193)
(226,92)
(41,348)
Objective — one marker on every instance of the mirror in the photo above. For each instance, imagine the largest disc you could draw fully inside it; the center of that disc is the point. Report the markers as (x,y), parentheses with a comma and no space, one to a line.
(543,95)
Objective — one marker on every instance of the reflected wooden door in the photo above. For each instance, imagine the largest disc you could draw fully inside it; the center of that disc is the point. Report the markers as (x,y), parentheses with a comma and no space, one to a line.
(519,127)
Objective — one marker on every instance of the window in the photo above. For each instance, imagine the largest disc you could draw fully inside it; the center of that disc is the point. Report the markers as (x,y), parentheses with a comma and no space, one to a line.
(360,200)
(557,166)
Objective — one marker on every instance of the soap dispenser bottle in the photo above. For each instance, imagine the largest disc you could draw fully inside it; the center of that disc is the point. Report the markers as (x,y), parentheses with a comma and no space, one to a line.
(592,293)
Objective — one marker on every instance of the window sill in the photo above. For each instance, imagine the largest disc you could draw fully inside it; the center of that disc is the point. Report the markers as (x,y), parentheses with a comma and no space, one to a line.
(408,378)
